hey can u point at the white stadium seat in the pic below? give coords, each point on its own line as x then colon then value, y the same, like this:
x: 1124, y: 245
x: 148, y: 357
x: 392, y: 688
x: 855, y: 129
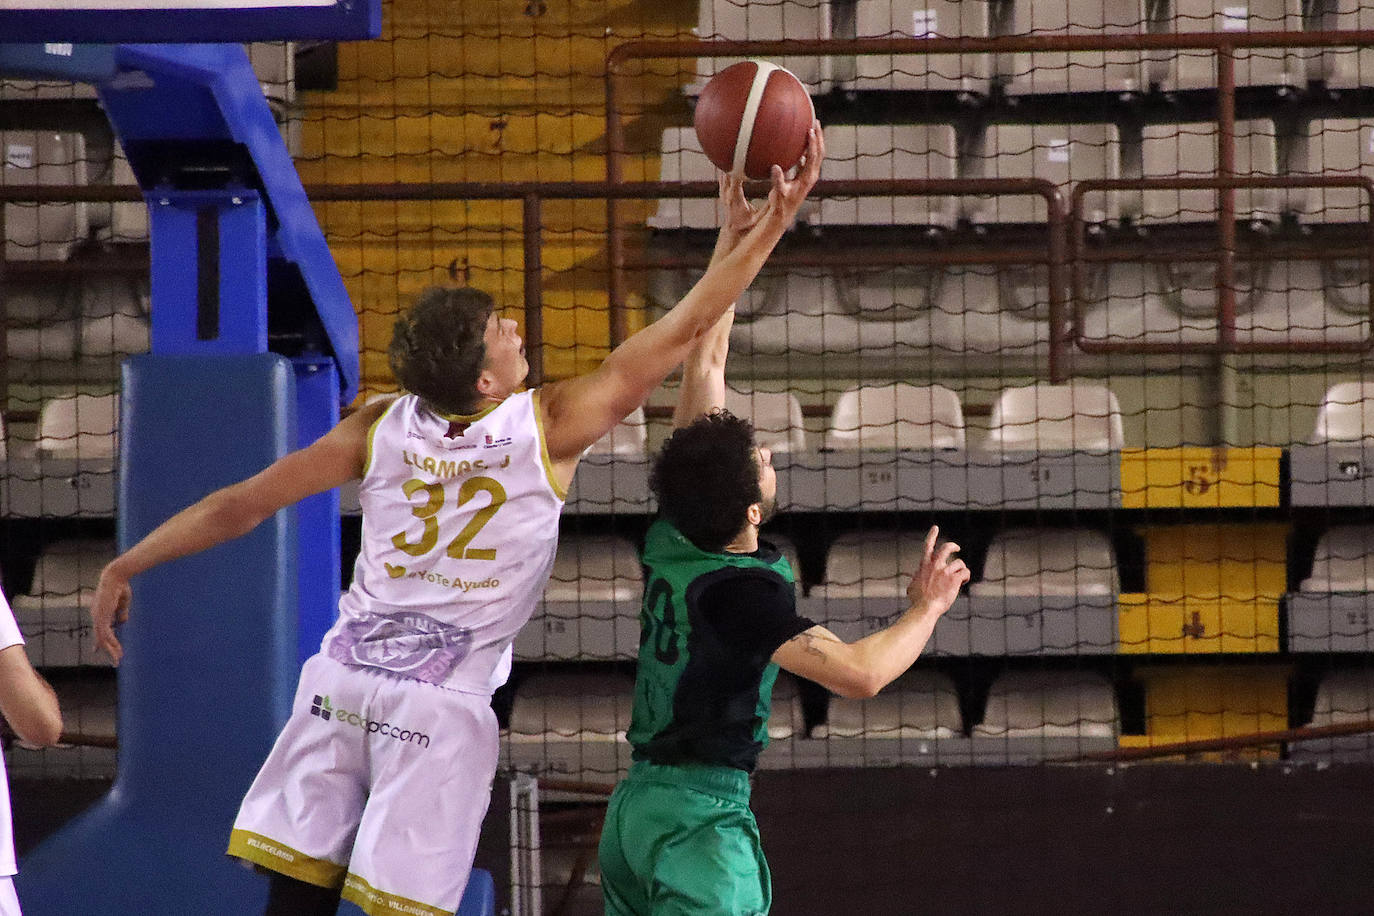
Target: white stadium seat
x: 1073, y: 71
x: 887, y: 151
x: 577, y: 706
x: 1049, y: 704
x: 1189, y: 150
x: 53, y: 614
x: 970, y: 73
x: 1078, y: 416
x: 896, y: 416
x: 681, y: 159
x: 1346, y: 414
x: 595, y: 568
x: 1344, y: 561
x: 774, y: 20
x: 871, y: 564
x: 31, y: 158
x: 81, y: 426
x: 776, y: 416
x: 1278, y: 67
x: 918, y: 705
x: 627, y: 439
x: 1048, y: 561
x: 1060, y: 153
x: 1344, y: 696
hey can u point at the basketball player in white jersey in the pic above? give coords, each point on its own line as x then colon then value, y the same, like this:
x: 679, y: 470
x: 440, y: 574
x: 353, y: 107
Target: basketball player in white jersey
x: 30, y: 707
x: 377, y: 786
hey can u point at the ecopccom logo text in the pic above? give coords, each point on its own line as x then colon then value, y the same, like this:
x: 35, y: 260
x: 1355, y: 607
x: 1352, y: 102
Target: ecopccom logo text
x: 320, y: 706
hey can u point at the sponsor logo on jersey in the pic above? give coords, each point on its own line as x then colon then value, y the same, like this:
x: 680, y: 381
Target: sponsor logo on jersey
x: 496, y: 443
x: 321, y: 707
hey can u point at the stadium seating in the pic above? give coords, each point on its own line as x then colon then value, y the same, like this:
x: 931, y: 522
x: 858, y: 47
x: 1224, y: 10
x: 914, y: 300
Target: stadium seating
x: 681, y: 159
x: 595, y: 568
x: 571, y: 725
x: 967, y: 73
x: 896, y: 416
x: 114, y: 317
x: 776, y: 416
x: 730, y: 19
x: 920, y: 705
x: 1336, y: 146
x: 887, y: 151
x: 1277, y: 67
x: 1079, y: 416
x: 1048, y: 561
x: 1189, y: 150
x: 1346, y: 414
x: 1049, y: 704
x: 870, y: 564
x: 1061, y: 153
x: 53, y: 615
x: 39, y: 157
x: 628, y: 439
x: 128, y: 221
x: 1344, y: 561
x: 1344, y: 696
x: 1075, y: 71
x: 1341, y: 68
x: 81, y: 426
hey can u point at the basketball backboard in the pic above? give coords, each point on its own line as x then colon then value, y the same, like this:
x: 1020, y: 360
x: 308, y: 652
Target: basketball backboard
x: 118, y: 21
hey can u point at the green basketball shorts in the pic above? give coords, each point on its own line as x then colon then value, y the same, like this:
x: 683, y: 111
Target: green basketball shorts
x: 682, y: 840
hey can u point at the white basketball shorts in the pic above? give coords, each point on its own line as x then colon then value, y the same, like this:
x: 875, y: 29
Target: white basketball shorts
x: 377, y: 783
x: 9, y: 900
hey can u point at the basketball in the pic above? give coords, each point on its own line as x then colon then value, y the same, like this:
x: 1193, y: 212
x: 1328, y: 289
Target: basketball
x: 751, y: 116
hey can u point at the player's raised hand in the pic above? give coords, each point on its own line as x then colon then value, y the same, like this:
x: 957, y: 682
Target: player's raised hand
x: 738, y: 216
x: 788, y: 194
x: 941, y: 575
x: 110, y: 606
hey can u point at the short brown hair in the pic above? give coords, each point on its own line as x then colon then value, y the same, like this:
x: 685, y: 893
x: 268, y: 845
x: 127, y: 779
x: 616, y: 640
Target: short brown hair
x: 437, y: 347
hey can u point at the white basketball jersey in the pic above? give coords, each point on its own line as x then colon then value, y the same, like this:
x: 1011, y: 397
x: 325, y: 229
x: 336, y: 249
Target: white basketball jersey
x: 460, y: 525
x: 9, y: 636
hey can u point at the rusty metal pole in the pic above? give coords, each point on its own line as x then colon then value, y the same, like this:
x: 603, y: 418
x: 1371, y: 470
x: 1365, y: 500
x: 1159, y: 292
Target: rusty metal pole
x: 615, y: 238
x: 534, y: 288
x: 1225, y: 409
x: 1058, y: 244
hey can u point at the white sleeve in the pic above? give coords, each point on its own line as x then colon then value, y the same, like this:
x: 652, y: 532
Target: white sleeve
x: 9, y: 629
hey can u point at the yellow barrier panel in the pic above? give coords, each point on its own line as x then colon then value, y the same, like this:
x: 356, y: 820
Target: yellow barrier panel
x: 1189, y: 625
x: 1184, y: 478
x: 1195, y: 703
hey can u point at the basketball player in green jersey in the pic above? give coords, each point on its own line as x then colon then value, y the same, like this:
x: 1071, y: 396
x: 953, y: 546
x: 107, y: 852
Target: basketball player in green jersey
x: 719, y: 619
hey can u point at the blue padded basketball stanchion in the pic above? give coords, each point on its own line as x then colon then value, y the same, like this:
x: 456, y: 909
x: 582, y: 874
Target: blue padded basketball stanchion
x: 210, y: 662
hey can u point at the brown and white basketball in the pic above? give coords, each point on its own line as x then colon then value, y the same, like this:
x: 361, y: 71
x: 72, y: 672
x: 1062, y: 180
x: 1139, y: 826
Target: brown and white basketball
x: 751, y: 116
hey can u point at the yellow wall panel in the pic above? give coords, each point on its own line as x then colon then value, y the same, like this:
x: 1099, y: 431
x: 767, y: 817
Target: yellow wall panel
x: 1195, y: 703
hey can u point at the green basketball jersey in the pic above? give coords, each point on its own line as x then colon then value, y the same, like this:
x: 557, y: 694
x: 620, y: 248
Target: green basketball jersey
x: 709, y: 626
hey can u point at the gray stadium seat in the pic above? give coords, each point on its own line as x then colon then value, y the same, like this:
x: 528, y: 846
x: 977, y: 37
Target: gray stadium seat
x: 1342, y: 68
x: 970, y: 73
x: 1075, y: 71
x: 1334, y: 147
x: 627, y: 439
x: 918, y: 705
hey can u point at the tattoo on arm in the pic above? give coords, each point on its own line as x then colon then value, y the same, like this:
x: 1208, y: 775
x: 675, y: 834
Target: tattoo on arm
x: 807, y: 642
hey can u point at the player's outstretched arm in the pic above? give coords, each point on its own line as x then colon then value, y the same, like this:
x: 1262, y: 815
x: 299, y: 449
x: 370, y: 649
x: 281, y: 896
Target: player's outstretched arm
x: 703, y: 371
x: 579, y: 411
x: 27, y: 701
x: 866, y: 666
x: 332, y: 460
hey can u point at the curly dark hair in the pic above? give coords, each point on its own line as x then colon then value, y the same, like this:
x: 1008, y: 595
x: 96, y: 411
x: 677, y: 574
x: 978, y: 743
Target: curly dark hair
x: 706, y: 478
x: 437, y: 348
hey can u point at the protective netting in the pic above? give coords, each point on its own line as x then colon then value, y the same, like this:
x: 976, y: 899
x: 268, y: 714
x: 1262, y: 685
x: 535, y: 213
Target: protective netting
x: 1167, y: 544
